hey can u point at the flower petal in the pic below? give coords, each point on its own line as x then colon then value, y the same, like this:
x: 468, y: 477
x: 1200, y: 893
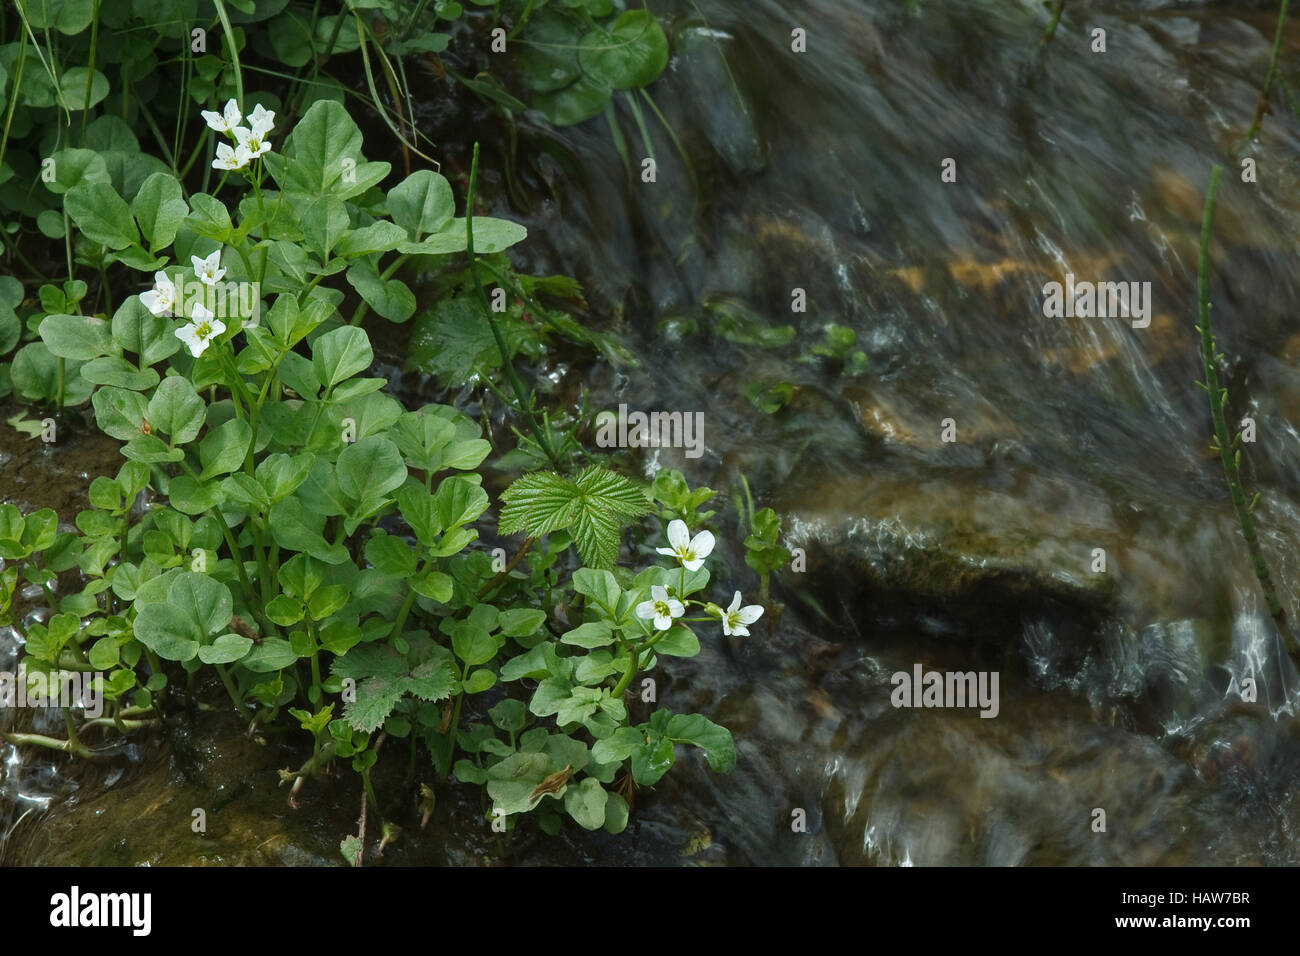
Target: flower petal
x: 663, y: 622
x: 702, y: 544
x: 749, y: 614
x: 645, y: 610
x: 693, y: 565
x: 678, y: 535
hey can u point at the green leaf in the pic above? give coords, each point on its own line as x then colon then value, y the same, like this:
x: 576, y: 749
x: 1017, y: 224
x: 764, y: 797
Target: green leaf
x: 586, y: 803
x: 716, y: 742
x: 391, y: 555
x: 575, y: 103
x: 295, y: 527
x: 509, y: 714
x: 226, y: 649
x: 273, y: 654
x: 459, y: 501
x: 284, y: 610
x: 323, y: 224
x: 120, y: 413
x: 140, y: 332
x: 209, y: 218
x: 422, y: 203
x: 421, y: 437
x: 594, y: 507
x: 76, y: 336
x: 224, y: 449
x: 382, y: 236
x: 370, y: 468
x: 168, y: 631
x: 391, y: 298
x: 549, y: 60
x: 340, y: 354
x: 118, y: 372
x: 521, y: 622
x: 322, y: 156
x: 479, y: 681
x: 176, y: 409
x: 680, y: 641
x: 280, y: 475
x: 73, y: 84
x: 160, y: 208
x: 76, y: 167
x: 102, y: 215
x: 474, y: 645
x: 592, y: 634
x: 192, y: 497
x: 633, y: 53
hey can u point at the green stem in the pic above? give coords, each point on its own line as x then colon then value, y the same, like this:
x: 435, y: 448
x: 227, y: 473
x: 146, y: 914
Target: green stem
x: 232, y: 691
x: 1229, y: 458
x: 1272, y: 72
x: 507, y: 365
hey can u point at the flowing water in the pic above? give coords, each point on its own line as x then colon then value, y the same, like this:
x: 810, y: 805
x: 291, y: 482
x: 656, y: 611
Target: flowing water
x: 1120, y: 690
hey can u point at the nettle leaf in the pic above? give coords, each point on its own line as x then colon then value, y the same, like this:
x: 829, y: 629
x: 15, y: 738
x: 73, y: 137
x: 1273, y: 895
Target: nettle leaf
x: 102, y: 215
x: 383, y: 678
x: 322, y: 156
x: 422, y: 203
x: 594, y: 508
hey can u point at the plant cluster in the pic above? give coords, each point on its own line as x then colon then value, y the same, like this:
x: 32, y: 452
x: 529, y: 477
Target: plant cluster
x: 282, y: 523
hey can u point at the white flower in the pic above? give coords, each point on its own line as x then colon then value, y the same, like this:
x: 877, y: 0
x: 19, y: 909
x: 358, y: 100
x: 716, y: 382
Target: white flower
x: 660, y: 607
x: 203, y: 328
x: 226, y: 121
x: 251, y: 141
x: 228, y: 158
x: 208, y: 270
x: 691, y: 552
x: 261, y: 120
x: 160, y: 299
x: 736, y: 617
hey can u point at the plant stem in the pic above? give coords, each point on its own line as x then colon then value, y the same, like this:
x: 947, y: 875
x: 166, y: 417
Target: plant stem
x: 1272, y: 72
x: 1223, y: 442
x: 507, y: 365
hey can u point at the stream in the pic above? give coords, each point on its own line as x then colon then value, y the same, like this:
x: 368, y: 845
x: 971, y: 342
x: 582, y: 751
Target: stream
x: 1120, y: 689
